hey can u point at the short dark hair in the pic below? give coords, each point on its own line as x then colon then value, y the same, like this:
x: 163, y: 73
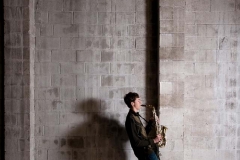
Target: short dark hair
x: 130, y: 97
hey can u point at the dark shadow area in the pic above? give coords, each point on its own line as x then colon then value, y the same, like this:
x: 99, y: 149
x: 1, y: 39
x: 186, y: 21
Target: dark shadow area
x: 2, y: 82
x: 101, y: 136
x: 152, y: 53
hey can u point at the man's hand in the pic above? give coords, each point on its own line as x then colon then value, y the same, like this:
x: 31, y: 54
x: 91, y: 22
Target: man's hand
x: 157, y: 139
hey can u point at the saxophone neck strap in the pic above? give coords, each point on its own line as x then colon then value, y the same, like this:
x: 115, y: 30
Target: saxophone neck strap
x: 142, y: 117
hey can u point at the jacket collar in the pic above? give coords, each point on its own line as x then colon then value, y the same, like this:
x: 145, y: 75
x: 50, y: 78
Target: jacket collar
x: 134, y: 113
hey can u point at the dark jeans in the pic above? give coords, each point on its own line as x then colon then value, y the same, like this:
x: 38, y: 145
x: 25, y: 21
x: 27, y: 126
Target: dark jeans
x: 152, y: 156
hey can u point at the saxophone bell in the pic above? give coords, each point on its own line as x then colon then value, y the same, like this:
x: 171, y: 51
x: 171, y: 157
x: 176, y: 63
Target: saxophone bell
x: 159, y: 129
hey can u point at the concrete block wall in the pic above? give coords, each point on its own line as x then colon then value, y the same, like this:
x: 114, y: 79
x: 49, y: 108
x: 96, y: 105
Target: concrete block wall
x: 199, y: 78
x: 17, y: 79
x: 1, y: 85
x: 89, y: 54
x: 68, y: 63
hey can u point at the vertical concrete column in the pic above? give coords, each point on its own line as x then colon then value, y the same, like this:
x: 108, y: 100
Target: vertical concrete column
x: 32, y: 44
x: 17, y: 44
x: 1, y: 84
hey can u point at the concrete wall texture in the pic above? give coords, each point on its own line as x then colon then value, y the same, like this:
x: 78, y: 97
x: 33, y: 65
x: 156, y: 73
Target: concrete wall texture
x: 68, y: 64
x: 199, y: 78
x: 1, y: 85
x: 17, y: 84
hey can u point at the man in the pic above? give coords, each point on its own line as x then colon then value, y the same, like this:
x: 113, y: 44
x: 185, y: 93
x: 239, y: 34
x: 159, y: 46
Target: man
x: 142, y: 145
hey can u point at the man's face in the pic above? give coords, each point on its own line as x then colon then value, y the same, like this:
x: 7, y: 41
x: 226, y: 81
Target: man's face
x: 137, y: 104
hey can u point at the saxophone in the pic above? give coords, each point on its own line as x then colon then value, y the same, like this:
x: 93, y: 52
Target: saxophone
x: 159, y: 129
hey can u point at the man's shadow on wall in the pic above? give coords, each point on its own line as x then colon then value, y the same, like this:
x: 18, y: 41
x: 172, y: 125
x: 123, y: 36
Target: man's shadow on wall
x: 100, y: 137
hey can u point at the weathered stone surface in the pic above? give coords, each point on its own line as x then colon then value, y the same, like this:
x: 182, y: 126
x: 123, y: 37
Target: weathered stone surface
x: 47, y: 43
x: 203, y: 74
x: 82, y: 56
x: 66, y: 30
x: 60, y: 17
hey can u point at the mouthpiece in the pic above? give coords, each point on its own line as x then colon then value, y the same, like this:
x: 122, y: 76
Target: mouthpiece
x: 147, y: 106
